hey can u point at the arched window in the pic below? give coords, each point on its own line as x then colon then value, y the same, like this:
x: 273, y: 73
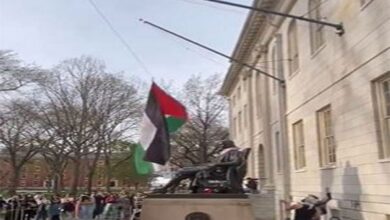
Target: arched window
x: 316, y: 30
x: 293, y: 53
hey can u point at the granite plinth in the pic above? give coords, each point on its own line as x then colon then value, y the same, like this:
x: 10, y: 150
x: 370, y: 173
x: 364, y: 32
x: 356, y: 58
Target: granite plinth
x: 181, y: 206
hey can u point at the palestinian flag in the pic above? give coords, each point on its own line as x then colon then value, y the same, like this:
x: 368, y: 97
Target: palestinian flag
x: 163, y: 115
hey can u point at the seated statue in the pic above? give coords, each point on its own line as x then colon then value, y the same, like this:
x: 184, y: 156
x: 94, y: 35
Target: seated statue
x: 230, y: 164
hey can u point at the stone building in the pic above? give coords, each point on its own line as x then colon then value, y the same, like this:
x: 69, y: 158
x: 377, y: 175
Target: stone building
x: 328, y: 124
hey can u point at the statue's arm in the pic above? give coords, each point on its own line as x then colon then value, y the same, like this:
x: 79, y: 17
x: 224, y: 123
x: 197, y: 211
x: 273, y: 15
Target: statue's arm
x: 238, y: 160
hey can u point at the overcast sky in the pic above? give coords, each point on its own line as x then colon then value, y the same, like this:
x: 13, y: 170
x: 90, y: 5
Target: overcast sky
x: 45, y: 32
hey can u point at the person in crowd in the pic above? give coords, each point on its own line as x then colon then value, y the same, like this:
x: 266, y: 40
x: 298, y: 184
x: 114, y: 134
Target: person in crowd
x: 126, y: 205
x: 84, y: 208
x: 310, y: 208
x: 41, y: 207
x: 251, y: 184
x: 68, y: 207
x: 99, y: 204
x: 12, y: 207
x: 54, y: 209
x: 2, y: 203
x: 30, y: 207
x: 112, y: 210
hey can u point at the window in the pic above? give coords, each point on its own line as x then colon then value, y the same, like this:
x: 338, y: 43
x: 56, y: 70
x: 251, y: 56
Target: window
x: 22, y: 183
x: 274, y: 69
x: 234, y: 100
x: 244, y: 84
x: 261, y: 162
x: 258, y: 95
x: 234, y: 126
x: 299, y: 145
x: 325, y: 137
x: 293, y: 53
x: 113, y: 183
x: 239, y: 93
x: 246, y: 115
x: 278, y: 152
x: 37, y: 168
x: 383, y: 102
x: 239, y: 121
x: 316, y: 30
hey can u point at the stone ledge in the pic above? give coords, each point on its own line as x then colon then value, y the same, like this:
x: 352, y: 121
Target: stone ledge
x: 198, y: 196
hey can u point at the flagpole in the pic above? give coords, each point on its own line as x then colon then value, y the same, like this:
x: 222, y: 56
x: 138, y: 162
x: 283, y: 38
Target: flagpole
x: 339, y: 27
x: 213, y: 50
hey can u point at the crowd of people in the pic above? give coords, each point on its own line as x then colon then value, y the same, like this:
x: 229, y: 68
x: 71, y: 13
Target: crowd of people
x: 101, y: 206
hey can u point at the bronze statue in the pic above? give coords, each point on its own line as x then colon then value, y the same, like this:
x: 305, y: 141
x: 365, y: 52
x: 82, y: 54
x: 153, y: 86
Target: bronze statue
x: 224, y: 176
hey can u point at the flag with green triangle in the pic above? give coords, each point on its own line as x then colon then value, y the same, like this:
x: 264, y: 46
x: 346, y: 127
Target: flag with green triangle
x: 163, y: 115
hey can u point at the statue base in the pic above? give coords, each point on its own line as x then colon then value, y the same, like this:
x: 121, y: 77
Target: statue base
x: 197, y: 207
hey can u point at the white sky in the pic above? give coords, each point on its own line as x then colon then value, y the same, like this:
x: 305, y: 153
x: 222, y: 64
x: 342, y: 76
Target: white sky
x: 45, y: 32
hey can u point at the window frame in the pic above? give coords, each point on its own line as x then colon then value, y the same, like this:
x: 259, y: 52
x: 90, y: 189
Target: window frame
x: 279, y: 164
x: 317, y: 34
x: 384, y: 141
x: 246, y: 115
x: 293, y: 47
x: 274, y: 67
x: 325, y: 133
x: 299, y: 148
x: 239, y: 122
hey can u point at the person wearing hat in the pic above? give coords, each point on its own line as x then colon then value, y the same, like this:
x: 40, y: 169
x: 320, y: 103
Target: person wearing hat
x: 229, y: 156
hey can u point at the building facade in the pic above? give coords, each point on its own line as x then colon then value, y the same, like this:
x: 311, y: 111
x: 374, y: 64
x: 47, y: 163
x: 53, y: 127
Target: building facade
x: 327, y: 125
x: 35, y: 175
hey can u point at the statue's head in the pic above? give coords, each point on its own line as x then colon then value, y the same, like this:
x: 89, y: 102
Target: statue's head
x: 227, y: 144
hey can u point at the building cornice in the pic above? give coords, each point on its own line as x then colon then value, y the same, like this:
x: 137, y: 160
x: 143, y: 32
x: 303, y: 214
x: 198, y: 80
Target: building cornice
x: 255, y: 27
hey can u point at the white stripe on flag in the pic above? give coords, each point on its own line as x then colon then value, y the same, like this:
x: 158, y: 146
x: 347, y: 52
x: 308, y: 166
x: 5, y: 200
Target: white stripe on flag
x: 148, y: 132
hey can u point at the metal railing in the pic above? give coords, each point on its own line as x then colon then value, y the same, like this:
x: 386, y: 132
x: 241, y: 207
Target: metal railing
x: 111, y: 212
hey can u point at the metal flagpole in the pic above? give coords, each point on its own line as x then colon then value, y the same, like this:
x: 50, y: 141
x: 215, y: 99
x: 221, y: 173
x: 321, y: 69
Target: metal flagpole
x: 213, y: 50
x: 339, y: 27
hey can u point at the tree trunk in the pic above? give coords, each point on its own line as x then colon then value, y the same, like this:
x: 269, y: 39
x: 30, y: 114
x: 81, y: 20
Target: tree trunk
x: 108, y: 175
x: 203, y: 153
x: 57, y: 183
x: 90, y: 181
x: 14, y: 181
x: 76, y: 176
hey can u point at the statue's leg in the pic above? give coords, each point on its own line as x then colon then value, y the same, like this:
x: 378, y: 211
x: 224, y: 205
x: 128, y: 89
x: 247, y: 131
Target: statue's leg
x: 234, y: 181
x: 171, y: 185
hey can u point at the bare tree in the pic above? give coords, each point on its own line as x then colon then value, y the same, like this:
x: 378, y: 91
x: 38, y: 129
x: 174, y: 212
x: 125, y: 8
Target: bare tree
x: 197, y: 142
x: 116, y: 111
x: 13, y: 74
x: 18, y: 138
x: 86, y: 110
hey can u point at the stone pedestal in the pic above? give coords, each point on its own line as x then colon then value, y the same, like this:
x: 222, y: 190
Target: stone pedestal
x: 199, y: 206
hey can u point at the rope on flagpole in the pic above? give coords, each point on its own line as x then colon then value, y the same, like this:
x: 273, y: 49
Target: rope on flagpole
x: 120, y: 37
